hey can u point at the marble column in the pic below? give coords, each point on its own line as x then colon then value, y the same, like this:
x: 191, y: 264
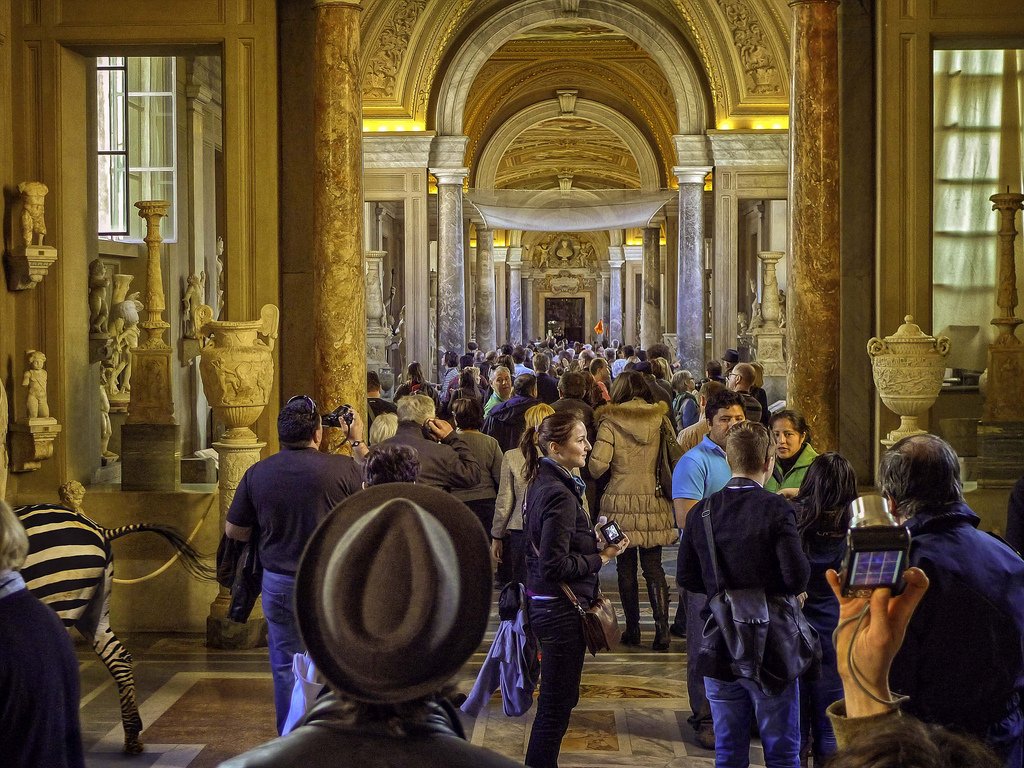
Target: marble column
x: 515, y: 295
x: 530, y: 310
x: 451, y: 274
x: 339, y: 291
x: 615, y: 300
x: 650, y: 310
x: 813, y: 314
x: 485, y: 332
x: 691, y: 313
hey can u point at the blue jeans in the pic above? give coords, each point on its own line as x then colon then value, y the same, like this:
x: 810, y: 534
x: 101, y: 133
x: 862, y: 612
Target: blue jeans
x: 556, y: 624
x: 737, y: 706
x: 283, y: 638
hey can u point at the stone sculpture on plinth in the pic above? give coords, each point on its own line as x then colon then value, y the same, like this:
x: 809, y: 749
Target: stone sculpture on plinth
x: 32, y: 436
x: 769, y: 336
x: 237, y: 368
x: 28, y: 264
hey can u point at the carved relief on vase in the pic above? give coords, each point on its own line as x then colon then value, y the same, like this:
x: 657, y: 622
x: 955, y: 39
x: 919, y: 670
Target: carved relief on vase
x: 237, y: 369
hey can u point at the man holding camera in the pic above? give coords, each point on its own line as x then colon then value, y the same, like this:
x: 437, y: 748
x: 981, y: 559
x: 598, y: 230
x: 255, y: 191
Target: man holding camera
x: 962, y: 663
x: 284, y: 497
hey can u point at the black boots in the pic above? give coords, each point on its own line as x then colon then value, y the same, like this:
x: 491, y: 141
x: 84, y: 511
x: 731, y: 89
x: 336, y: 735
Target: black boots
x: 629, y: 593
x: 658, y: 592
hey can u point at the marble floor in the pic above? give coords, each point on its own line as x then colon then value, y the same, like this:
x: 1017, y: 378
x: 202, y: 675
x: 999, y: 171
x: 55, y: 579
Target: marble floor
x: 201, y: 706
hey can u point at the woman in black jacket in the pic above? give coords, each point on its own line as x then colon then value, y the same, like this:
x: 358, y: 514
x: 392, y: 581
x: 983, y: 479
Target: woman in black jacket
x: 562, y: 548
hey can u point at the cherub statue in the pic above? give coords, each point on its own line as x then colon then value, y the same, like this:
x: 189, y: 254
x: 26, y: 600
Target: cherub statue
x: 33, y: 194
x: 99, y: 306
x: 125, y: 336
x: 72, y: 495
x: 105, y: 428
x: 542, y: 257
x: 587, y: 255
x: 782, y: 309
x: 34, y: 380
x: 220, y: 275
x: 191, y: 300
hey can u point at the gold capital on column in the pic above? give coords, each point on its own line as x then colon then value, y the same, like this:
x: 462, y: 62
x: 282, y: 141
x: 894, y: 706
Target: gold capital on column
x: 339, y: 294
x: 814, y: 313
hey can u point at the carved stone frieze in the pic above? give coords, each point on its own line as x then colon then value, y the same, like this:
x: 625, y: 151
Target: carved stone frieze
x: 755, y: 56
x: 380, y: 75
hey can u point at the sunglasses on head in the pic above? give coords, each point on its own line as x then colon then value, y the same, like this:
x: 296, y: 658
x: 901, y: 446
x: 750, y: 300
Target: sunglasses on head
x: 305, y: 399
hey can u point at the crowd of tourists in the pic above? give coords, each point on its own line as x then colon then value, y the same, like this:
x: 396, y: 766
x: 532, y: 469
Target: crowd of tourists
x: 508, y: 468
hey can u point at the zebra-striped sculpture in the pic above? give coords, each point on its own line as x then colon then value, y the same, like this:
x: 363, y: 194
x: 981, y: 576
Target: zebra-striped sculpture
x: 70, y: 567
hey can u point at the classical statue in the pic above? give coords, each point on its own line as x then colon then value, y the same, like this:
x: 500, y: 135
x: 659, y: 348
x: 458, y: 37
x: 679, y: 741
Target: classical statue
x: 33, y: 194
x: 220, y: 276
x: 782, y: 308
x: 191, y: 301
x: 34, y: 381
x: 124, y: 333
x: 587, y: 255
x: 72, y: 495
x: 105, y: 428
x: 542, y: 257
x: 99, y: 305
x: 564, y: 252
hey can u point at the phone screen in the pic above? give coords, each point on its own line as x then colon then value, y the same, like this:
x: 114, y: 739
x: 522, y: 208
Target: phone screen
x: 612, y: 533
x: 876, y: 568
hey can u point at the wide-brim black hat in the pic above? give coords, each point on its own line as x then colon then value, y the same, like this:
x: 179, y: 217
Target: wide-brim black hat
x: 393, y: 592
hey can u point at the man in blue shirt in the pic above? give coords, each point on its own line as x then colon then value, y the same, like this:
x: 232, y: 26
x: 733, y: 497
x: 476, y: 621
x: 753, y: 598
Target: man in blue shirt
x: 702, y: 471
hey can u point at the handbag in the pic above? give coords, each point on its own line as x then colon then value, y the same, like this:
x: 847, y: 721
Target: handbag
x: 766, y: 638
x: 669, y: 453
x: 600, y: 623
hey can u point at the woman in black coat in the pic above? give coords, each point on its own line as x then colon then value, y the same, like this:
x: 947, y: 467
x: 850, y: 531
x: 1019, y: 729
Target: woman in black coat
x: 562, y: 548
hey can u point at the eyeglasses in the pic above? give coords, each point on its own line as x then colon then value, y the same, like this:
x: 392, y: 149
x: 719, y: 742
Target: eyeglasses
x: 305, y: 399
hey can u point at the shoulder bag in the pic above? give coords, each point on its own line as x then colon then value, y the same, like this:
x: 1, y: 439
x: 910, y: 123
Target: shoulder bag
x: 766, y: 638
x: 599, y: 621
x: 669, y: 453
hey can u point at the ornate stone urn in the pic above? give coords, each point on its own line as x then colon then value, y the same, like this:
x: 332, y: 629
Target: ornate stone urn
x: 908, y: 368
x: 238, y: 369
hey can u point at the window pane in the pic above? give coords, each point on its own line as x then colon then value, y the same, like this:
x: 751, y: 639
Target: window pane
x: 152, y: 185
x: 110, y: 109
x: 110, y: 61
x: 112, y: 205
x: 151, y: 75
x: 152, y: 130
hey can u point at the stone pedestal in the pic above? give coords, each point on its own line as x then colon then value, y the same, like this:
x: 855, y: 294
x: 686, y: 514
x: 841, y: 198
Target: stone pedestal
x: 32, y: 443
x: 690, y: 309
x: 150, y: 457
x: 814, y: 312
x: 770, y: 337
x: 485, y: 322
x: 339, y: 315
x: 378, y: 331
x: 27, y: 265
x: 650, y: 311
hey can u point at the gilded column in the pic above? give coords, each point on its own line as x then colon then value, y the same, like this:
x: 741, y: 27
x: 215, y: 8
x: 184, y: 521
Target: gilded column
x: 339, y: 293
x: 451, y: 267
x: 813, y: 314
x: 615, y: 299
x: 485, y: 334
x: 515, y: 295
x: 691, y: 313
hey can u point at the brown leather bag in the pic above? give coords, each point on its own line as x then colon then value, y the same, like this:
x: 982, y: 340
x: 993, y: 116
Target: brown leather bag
x: 600, y: 623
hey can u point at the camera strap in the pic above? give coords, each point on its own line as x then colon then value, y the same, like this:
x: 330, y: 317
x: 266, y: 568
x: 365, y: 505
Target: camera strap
x: 709, y: 530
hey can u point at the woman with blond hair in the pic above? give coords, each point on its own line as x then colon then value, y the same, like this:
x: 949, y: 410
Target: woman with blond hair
x: 507, y: 527
x: 628, y: 447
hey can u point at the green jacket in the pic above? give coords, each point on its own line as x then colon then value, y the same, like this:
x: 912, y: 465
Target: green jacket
x: 795, y: 476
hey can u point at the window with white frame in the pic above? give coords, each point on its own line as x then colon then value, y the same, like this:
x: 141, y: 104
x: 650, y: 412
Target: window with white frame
x: 136, y: 143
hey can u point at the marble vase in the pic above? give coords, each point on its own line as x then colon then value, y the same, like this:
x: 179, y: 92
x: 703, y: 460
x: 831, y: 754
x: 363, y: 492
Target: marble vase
x: 908, y: 368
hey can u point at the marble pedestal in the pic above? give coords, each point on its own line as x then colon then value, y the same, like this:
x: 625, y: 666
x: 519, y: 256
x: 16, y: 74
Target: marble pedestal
x: 27, y: 266
x: 150, y: 457
x: 32, y: 443
x: 1000, y: 447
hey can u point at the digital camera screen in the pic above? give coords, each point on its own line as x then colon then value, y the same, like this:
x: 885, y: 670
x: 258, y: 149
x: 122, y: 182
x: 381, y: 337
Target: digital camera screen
x: 611, y: 533
x: 871, y: 568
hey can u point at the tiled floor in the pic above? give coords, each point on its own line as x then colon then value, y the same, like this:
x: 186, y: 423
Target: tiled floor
x: 201, y: 706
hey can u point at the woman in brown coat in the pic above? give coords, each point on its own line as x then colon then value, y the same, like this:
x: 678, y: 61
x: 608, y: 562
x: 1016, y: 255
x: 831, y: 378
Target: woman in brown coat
x: 628, y: 445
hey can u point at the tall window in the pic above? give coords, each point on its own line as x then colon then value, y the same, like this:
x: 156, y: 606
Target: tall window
x: 136, y: 143
x: 977, y: 139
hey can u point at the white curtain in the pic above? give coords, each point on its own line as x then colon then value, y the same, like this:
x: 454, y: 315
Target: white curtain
x: 978, y: 137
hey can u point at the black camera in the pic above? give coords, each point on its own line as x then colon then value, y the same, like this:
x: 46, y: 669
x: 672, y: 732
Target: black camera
x: 611, y: 532
x: 877, y: 549
x: 343, y: 413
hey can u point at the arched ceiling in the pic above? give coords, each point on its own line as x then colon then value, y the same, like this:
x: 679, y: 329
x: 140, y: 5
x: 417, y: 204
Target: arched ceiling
x: 592, y: 154
x: 741, y: 46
